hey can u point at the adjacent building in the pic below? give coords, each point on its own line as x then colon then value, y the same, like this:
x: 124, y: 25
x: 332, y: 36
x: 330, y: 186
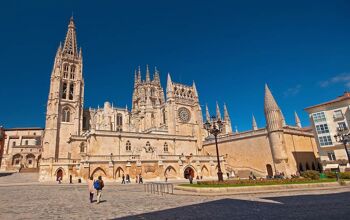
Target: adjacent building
x: 22, y: 148
x: 328, y: 119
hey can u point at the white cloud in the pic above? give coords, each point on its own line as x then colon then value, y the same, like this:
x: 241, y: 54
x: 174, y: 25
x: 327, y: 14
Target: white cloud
x: 343, y: 78
x: 292, y: 91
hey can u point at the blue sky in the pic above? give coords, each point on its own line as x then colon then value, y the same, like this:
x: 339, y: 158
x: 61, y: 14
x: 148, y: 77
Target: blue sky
x: 230, y: 49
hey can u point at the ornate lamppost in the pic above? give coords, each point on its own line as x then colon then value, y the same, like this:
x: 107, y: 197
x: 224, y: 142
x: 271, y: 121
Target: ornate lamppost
x: 343, y: 136
x: 214, y: 127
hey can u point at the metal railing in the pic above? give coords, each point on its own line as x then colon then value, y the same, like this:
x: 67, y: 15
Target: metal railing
x: 159, y: 188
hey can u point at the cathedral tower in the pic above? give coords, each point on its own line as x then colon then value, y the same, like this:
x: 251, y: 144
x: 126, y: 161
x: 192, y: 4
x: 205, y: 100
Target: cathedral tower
x: 66, y: 97
x: 274, y: 123
x: 148, y: 102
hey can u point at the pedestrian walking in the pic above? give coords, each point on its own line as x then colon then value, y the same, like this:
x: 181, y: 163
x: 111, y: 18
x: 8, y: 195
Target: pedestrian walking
x: 59, y: 179
x: 98, y: 185
x: 123, y: 179
x: 140, y: 179
x: 190, y: 178
x: 90, y: 183
x: 127, y: 178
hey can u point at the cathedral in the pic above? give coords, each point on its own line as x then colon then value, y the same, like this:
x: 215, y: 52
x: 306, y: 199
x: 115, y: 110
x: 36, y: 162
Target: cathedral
x: 162, y: 135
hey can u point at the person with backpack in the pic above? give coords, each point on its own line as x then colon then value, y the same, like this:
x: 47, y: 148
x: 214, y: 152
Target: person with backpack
x: 98, y: 185
x: 90, y: 182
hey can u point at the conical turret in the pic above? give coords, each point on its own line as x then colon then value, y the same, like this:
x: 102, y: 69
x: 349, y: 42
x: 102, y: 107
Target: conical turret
x: 254, y: 124
x: 284, y: 123
x: 272, y: 111
x: 70, y: 44
x: 169, y: 85
x: 135, y: 79
x: 297, y: 120
x: 218, y: 113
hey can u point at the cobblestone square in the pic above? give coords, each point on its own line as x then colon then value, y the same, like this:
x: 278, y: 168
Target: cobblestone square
x: 131, y: 202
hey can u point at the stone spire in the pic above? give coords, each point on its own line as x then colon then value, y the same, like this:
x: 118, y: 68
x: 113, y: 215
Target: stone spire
x: 135, y: 79
x: 70, y: 46
x: 297, y: 120
x: 218, y: 113
x: 169, y: 85
x: 148, y: 78
x: 254, y: 124
x: 207, y: 114
x: 284, y: 123
x: 273, y: 113
x: 226, y: 115
x: 156, y: 75
x: 139, y: 74
x: 194, y: 89
x: 236, y: 129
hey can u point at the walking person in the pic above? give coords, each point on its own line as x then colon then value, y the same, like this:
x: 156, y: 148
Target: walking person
x: 90, y: 183
x: 98, y: 185
x: 140, y: 179
x: 123, y: 179
x: 127, y: 178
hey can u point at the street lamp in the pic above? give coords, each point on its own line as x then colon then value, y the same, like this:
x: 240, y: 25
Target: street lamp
x: 343, y: 136
x: 214, y: 127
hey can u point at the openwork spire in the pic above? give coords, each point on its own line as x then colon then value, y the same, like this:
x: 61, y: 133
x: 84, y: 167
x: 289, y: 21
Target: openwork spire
x: 156, y: 75
x: 70, y: 47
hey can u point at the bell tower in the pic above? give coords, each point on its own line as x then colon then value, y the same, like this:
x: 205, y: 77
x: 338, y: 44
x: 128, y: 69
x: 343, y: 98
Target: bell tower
x: 66, y: 97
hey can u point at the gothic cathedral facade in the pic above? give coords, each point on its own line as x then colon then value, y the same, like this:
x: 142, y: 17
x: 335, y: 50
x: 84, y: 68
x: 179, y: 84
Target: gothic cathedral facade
x: 162, y: 134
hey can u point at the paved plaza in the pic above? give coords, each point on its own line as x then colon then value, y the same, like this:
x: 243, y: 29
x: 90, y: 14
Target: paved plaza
x: 131, y: 202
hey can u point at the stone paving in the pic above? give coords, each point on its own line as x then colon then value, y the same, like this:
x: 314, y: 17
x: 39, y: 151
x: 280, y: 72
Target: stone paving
x: 131, y: 202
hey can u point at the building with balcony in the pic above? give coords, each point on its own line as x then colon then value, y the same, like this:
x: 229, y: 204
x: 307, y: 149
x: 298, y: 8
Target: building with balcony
x: 327, y: 120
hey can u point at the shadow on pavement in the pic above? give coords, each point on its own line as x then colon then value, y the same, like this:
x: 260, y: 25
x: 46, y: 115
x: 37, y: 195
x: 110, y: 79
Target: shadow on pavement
x: 328, y: 206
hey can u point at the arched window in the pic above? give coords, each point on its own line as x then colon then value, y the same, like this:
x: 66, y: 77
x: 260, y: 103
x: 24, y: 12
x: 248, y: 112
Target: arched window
x: 64, y: 90
x: 148, y: 144
x: 119, y: 122
x: 65, y: 115
x: 128, y: 146
x: 65, y: 71
x: 166, y: 148
x: 71, y: 91
x: 72, y: 72
x: 13, y: 143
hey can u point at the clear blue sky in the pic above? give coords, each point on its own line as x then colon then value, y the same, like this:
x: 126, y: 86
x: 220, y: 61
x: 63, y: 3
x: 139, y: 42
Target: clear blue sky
x: 230, y: 49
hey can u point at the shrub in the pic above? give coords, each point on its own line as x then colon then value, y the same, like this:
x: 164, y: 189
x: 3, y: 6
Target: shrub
x: 345, y: 175
x: 311, y: 174
x: 330, y: 174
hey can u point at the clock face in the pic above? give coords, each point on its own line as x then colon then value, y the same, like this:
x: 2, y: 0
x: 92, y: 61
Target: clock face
x: 184, y: 114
